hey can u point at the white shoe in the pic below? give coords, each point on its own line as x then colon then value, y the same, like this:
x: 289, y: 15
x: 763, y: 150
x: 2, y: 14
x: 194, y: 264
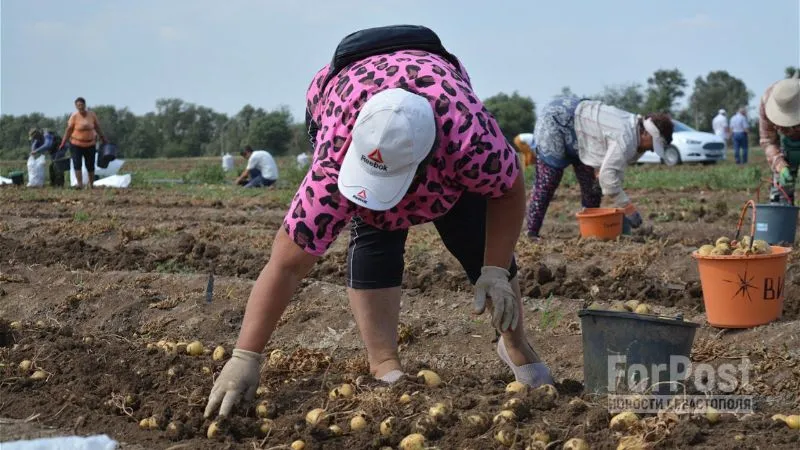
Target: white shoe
x: 533, y: 374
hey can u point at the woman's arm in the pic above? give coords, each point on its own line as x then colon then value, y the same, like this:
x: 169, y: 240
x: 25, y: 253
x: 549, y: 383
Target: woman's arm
x: 288, y: 265
x: 67, y: 134
x: 504, y: 218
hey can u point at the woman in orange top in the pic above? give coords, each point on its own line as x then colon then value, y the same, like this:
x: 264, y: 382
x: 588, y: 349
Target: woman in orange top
x: 83, y: 128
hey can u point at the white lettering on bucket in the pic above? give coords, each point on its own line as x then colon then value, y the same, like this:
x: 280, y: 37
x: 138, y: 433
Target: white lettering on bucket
x: 761, y: 226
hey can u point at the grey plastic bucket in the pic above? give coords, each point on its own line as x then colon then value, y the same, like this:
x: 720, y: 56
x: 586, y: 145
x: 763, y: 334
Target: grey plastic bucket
x: 776, y: 223
x: 614, y: 342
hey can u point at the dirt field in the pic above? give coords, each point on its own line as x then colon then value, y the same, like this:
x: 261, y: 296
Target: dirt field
x: 96, y: 279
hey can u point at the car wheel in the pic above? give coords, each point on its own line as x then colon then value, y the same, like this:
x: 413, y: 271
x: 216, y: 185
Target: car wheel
x: 672, y: 156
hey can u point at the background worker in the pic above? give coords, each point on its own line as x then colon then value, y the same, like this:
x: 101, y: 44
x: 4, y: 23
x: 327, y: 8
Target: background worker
x: 47, y: 142
x: 524, y: 144
x: 82, y: 132
x: 739, y: 130
x: 779, y: 130
x: 261, y: 170
x: 599, y: 141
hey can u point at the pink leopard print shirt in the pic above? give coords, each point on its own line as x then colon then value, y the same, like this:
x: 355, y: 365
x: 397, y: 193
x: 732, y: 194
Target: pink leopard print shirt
x: 470, y: 153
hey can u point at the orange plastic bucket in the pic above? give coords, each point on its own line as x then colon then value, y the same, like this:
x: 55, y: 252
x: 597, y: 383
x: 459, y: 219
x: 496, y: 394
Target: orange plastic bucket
x: 600, y: 223
x: 743, y: 291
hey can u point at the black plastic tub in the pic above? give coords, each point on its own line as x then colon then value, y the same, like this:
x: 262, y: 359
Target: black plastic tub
x: 614, y: 341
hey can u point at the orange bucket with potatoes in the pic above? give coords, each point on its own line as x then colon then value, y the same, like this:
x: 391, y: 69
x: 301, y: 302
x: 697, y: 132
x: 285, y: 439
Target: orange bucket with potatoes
x: 743, y: 291
x: 600, y: 223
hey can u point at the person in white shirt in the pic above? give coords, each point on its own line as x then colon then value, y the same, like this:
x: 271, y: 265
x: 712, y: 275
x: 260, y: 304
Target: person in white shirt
x: 598, y: 141
x: 261, y: 170
x: 739, y: 127
x: 302, y: 160
x: 720, y: 125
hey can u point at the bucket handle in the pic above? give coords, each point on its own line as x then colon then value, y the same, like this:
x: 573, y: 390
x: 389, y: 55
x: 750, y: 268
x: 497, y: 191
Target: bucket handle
x: 752, y: 205
x: 771, y: 181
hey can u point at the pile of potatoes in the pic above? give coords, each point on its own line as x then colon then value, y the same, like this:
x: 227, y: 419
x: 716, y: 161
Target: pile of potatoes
x: 725, y: 246
x: 634, y: 306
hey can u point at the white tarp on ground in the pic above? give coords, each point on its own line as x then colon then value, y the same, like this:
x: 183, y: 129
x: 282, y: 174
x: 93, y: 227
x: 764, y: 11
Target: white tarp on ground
x: 5, y: 181
x: 112, y: 169
x: 116, y: 181
x: 98, y: 442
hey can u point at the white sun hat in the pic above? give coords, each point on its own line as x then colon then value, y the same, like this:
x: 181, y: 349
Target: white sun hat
x: 393, y: 134
x: 783, y: 104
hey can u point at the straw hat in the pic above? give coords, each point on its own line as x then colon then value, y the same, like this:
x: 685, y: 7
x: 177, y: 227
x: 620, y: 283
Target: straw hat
x: 783, y: 104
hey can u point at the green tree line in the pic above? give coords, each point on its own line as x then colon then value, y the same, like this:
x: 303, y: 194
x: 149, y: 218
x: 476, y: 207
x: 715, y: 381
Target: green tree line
x: 180, y: 129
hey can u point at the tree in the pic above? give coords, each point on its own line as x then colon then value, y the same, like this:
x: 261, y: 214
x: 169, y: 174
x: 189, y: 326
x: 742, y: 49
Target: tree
x: 272, y: 131
x: 628, y: 97
x: 790, y: 71
x: 514, y: 114
x: 664, y: 88
x: 718, y: 90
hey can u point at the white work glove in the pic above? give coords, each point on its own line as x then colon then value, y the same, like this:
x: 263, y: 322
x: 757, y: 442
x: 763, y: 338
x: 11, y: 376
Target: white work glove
x: 239, y: 377
x: 494, y: 283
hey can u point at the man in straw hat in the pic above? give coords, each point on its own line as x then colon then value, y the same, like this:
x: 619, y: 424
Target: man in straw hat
x: 779, y: 128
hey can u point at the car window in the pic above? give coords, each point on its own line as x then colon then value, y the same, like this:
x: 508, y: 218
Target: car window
x: 680, y: 126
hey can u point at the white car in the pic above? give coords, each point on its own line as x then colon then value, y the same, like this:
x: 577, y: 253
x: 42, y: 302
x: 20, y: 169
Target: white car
x: 689, y: 146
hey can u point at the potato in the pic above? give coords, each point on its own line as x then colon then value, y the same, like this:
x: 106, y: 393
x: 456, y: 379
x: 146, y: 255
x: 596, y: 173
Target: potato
x: 705, y: 250
x: 25, y: 365
x: 631, y: 305
x: 430, y: 378
x: 266, y: 426
x: 631, y: 443
x: 180, y: 347
x: 513, y: 404
x: 505, y: 437
x: 515, y: 387
x: 388, y: 425
x: 725, y: 248
x: 576, y: 444
x: 438, y: 411
x: 262, y: 410
x: 744, y: 241
x: 206, y: 370
x: 195, y: 348
x: 618, y: 306
x: 405, y: 398
x: 298, y: 445
x: 414, y: 441
x: 594, y: 306
x: 479, y: 421
x: 504, y: 416
x: 149, y: 423
x: 712, y: 415
x: 213, y: 430
x: 336, y: 430
x: 623, y: 421
x: 15, y: 325
x: 739, y: 252
x: 793, y: 421
x: 540, y: 436
x: 761, y: 247
x: 717, y: 252
x: 315, y: 416
x: 722, y: 240
x: 343, y: 391
x: 261, y: 391
x: 548, y: 392
x: 643, y: 309
x: 39, y: 375
x: 219, y: 353
x: 358, y: 423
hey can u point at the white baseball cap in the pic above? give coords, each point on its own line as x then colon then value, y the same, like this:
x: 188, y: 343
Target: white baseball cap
x: 393, y: 134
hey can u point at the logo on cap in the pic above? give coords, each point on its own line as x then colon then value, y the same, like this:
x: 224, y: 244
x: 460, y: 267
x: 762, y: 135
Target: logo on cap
x: 361, y: 195
x: 375, y: 160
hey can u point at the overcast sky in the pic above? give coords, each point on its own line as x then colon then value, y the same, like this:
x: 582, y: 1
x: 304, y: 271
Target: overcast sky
x: 228, y: 53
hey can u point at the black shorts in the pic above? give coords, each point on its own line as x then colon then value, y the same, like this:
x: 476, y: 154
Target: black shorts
x: 80, y: 154
x: 375, y: 256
